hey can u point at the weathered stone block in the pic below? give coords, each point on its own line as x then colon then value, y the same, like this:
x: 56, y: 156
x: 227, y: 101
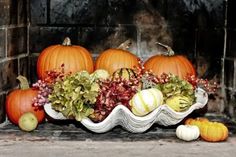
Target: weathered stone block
x: 17, y: 41
x: 231, y: 44
x: 231, y: 14
x: 99, y: 39
x: 210, y: 43
x: 38, y: 10
x: 24, y: 67
x: 8, y: 74
x: 2, y: 43
x: 195, y: 13
x: 22, y: 11
x: 42, y: 37
x: 2, y: 107
x: 73, y: 11
x: 33, y: 68
x: 4, y: 16
x: 230, y: 73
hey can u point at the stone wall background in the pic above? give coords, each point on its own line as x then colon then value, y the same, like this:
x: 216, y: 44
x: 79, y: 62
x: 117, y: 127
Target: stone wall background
x: 204, y: 31
x: 13, y: 46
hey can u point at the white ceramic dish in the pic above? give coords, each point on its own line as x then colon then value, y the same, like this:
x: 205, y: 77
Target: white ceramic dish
x: 121, y: 115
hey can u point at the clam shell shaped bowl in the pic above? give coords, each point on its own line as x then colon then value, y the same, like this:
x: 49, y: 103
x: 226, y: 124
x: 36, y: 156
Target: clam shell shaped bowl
x: 122, y: 116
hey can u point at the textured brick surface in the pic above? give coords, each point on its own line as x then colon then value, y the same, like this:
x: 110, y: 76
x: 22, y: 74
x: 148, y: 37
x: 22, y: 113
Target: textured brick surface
x: 73, y: 11
x: 24, y: 67
x: 2, y: 107
x: 195, y: 13
x: 4, y: 16
x: 33, y: 68
x: 229, y: 73
x: 8, y: 74
x: 17, y: 41
x: 22, y: 11
x: 231, y: 44
x: 2, y: 43
x: 99, y: 39
x: 8, y: 12
x: 38, y: 10
x: 42, y: 37
x: 231, y: 13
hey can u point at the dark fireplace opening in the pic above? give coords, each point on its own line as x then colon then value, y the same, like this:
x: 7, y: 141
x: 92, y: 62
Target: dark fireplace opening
x: 203, y: 31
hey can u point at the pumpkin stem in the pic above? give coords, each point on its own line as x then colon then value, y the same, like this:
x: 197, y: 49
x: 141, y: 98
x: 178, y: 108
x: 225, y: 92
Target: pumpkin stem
x: 170, y: 52
x: 24, y: 84
x: 125, y: 45
x: 66, y: 42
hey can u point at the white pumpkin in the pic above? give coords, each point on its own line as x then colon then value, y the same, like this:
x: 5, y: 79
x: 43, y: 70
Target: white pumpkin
x: 100, y: 74
x: 145, y: 101
x: 187, y: 132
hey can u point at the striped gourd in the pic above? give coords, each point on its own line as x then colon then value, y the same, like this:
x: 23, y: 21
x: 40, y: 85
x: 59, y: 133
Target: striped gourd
x: 145, y: 101
x: 125, y: 73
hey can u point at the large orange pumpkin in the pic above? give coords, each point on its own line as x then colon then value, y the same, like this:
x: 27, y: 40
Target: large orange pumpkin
x: 170, y: 63
x: 20, y: 101
x: 74, y: 58
x: 116, y: 58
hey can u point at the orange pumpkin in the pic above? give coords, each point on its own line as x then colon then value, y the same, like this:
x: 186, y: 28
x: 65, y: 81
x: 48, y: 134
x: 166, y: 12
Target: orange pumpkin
x: 209, y: 131
x: 191, y: 121
x: 20, y: 101
x: 214, y: 132
x: 74, y: 58
x: 170, y: 63
x: 114, y: 59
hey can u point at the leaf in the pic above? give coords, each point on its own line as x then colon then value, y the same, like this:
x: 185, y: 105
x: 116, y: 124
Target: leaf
x: 74, y: 95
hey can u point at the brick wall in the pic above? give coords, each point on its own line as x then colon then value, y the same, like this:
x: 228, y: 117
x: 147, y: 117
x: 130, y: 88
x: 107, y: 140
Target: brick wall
x: 198, y: 29
x: 13, y: 46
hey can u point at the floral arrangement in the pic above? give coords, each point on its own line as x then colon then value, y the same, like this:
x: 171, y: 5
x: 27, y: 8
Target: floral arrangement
x: 95, y: 95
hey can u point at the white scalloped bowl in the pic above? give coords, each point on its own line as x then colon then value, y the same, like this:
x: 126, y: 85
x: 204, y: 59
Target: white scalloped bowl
x: 122, y: 116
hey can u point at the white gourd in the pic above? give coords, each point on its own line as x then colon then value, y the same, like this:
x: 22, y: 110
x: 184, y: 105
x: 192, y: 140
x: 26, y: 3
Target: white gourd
x: 187, y: 132
x: 145, y: 101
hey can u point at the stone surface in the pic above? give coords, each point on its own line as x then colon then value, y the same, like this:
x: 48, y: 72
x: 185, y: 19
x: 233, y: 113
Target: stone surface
x: 17, y: 41
x: 42, y: 37
x: 231, y: 100
x: 231, y: 14
x: 162, y: 148
x: 22, y: 11
x: 73, y: 12
x: 231, y: 44
x: 24, y: 67
x: 74, y: 131
x: 195, y: 13
x: 96, y: 40
x: 13, y: 12
x: 2, y: 43
x: 2, y: 108
x: 38, y: 10
x: 33, y: 68
x: 8, y: 74
x: 4, y: 16
x: 184, y: 41
x: 230, y: 71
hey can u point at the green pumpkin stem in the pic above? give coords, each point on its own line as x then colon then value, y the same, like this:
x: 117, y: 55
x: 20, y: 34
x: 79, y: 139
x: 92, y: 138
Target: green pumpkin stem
x: 170, y: 52
x: 125, y: 45
x: 66, y: 42
x: 24, y: 84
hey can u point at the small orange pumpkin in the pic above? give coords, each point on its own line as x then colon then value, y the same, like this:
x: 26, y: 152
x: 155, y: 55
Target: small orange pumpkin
x: 74, y: 58
x: 170, y: 63
x: 209, y: 131
x: 116, y: 58
x: 191, y: 121
x: 214, y: 132
x: 20, y: 101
